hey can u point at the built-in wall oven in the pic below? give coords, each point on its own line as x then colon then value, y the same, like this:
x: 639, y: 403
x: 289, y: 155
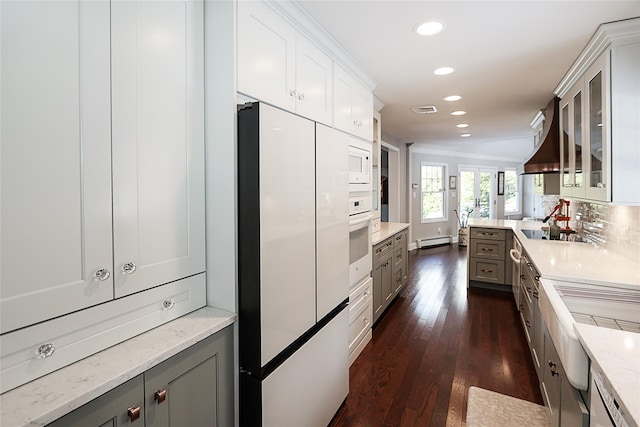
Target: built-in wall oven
x: 360, y: 263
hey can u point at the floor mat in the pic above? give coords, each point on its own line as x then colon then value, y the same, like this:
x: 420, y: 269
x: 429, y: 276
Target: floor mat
x: 490, y: 409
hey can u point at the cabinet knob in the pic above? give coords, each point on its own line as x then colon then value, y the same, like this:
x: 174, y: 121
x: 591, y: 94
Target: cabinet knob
x: 168, y: 304
x: 101, y: 275
x: 46, y: 350
x: 552, y: 365
x: 160, y: 395
x: 133, y: 413
x: 292, y: 92
x: 301, y: 97
x: 128, y: 268
x: 527, y: 323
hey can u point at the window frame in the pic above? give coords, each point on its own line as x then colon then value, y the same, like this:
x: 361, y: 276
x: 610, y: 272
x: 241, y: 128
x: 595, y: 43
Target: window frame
x: 518, y: 193
x: 444, y: 192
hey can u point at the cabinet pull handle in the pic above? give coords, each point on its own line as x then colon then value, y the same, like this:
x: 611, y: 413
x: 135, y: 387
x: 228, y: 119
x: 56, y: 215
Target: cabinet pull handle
x: 160, y: 395
x: 133, y: 413
x: 486, y: 271
x: 129, y: 268
x: 535, y: 294
x: 46, y: 350
x: 101, y: 275
x: 554, y: 373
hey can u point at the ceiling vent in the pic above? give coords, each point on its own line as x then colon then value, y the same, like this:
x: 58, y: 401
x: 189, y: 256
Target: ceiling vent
x: 425, y: 109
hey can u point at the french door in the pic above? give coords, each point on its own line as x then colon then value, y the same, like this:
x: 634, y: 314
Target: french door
x: 477, y: 191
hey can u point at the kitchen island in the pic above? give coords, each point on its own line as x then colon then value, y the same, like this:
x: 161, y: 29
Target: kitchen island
x: 589, y: 267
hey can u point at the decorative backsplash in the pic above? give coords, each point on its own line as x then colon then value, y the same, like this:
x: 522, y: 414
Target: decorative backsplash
x: 616, y: 228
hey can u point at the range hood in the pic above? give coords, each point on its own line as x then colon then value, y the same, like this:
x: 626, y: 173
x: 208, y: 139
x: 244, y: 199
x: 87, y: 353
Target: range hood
x: 546, y: 158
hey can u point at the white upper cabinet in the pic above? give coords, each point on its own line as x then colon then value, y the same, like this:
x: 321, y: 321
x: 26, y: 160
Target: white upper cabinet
x: 600, y: 130
x: 102, y: 152
x: 56, y: 252
x: 352, y: 105
x: 278, y: 66
x: 158, y: 142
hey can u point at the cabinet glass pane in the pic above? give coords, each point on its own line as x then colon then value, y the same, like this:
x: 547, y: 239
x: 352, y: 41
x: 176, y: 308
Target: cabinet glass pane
x: 595, y: 130
x: 565, y: 146
x: 577, y: 138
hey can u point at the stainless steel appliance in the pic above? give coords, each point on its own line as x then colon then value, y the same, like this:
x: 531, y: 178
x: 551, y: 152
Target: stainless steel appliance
x: 293, y: 269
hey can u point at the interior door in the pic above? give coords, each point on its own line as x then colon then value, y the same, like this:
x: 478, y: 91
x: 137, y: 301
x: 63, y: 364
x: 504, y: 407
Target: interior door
x: 477, y: 192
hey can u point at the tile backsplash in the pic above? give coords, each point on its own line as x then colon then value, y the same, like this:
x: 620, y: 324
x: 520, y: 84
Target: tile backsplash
x: 616, y: 228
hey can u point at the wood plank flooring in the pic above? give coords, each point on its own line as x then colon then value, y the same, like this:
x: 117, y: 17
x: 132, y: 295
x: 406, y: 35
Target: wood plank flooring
x: 437, y: 340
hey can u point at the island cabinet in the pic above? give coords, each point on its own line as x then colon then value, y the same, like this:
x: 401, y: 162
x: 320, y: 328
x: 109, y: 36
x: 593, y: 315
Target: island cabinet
x: 102, y: 172
x: 280, y: 66
x: 192, y: 388
x: 487, y: 258
x: 390, y: 265
x: 599, y: 127
x: 565, y: 403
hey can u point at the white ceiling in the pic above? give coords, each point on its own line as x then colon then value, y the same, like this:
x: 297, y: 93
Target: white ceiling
x: 509, y: 56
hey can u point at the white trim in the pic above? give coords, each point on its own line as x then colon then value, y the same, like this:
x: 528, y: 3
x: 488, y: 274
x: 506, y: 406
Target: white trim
x: 436, y: 152
x: 378, y: 105
x: 445, y: 193
x: 613, y: 33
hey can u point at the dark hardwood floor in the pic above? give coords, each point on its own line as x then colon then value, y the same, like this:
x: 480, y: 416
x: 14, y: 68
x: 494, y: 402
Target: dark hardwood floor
x: 437, y: 340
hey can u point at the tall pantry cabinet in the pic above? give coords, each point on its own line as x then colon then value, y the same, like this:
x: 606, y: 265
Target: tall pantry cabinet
x: 102, y: 176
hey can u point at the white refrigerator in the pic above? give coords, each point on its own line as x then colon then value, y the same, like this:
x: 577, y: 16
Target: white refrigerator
x: 293, y: 268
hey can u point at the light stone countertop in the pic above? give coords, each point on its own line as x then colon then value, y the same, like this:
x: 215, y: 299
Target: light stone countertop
x: 616, y: 355
x: 48, y: 398
x: 387, y: 229
x: 571, y: 261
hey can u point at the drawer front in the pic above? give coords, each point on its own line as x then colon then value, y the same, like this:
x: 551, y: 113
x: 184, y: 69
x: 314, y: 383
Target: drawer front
x: 382, y: 249
x: 397, y: 279
x: 359, y: 323
x: 397, y: 256
x: 359, y: 296
x: 486, y: 270
x: 89, y: 331
x: 488, y: 233
x: 493, y: 249
x: 400, y: 239
x: 527, y: 321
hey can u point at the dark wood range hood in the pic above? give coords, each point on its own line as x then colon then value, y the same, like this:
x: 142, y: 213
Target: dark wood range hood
x: 546, y: 159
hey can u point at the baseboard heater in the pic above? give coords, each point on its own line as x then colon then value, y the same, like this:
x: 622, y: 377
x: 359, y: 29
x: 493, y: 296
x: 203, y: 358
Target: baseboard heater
x: 427, y: 242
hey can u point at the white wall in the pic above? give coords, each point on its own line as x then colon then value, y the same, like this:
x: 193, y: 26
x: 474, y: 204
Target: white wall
x: 453, y: 161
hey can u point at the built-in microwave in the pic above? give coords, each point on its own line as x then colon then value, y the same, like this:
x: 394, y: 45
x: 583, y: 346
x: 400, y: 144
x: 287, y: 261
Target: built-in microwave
x: 359, y: 165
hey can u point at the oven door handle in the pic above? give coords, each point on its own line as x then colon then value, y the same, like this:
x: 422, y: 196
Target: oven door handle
x: 357, y: 224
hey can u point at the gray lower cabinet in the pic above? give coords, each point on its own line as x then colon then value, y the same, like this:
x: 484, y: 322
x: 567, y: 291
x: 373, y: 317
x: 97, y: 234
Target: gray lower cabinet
x: 487, y: 255
x: 565, y: 403
x: 194, y: 388
x: 390, y: 265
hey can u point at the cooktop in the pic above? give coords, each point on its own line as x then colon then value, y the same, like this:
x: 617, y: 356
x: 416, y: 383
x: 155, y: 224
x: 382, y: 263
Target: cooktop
x: 536, y: 234
x: 544, y: 235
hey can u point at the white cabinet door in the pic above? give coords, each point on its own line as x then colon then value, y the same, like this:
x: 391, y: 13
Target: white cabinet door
x: 158, y: 142
x: 266, y: 55
x: 314, y: 82
x: 352, y: 105
x: 55, y: 159
x: 287, y: 229
x: 332, y: 212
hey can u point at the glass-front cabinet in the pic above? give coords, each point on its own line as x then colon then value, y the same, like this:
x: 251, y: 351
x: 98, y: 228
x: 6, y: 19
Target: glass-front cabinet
x: 599, y: 110
x: 572, y: 143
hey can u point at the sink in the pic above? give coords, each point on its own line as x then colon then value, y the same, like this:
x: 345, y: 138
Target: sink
x: 562, y: 304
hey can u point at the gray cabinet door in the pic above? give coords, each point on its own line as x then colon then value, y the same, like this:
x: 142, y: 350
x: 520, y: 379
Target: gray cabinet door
x: 378, y: 306
x: 110, y: 409
x: 194, y: 387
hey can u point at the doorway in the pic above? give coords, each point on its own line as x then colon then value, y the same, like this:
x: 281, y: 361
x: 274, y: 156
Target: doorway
x: 477, y: 191
x: 389, y: 183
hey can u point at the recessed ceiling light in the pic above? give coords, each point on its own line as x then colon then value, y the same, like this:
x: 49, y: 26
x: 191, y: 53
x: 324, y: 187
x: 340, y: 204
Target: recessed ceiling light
x: 429, y: 28
x: 443, y: 71
x: 451, y: 98
x: 465, y: 135
x: 462, y: 125
x: 458, y: 113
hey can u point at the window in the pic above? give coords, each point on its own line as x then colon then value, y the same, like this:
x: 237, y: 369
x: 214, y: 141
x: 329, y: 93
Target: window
x: 432, y: 179
x: 511, y: 192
